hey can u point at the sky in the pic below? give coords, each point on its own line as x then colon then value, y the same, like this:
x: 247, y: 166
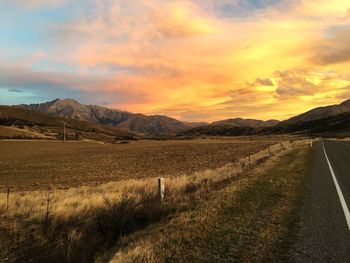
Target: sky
x: 194, y: 60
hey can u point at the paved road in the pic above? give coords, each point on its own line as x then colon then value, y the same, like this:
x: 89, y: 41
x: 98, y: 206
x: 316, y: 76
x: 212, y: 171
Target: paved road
x: 323, y: 234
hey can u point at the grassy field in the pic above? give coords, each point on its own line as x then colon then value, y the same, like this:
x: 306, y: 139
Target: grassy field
x: 34, y: 164
x: 94, y: 222
x: 249, y: 220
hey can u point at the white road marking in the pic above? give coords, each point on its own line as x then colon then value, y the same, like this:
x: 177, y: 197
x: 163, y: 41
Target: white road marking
x: 340, y: 194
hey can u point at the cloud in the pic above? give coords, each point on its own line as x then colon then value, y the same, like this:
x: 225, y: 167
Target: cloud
x: 334, y: 49
x: 89, y: 88
x: 15, y: 90
x: 183, y: 19
x: 188, y: 51
x: 294, y: 84
x: 264, y: 82
x: 347, y: 15
x: 336, y: 56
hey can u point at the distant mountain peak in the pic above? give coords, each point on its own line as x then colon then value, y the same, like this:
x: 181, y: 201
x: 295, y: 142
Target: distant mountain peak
x: 68, y: 100
x: 70, y: 108
x: 55, y: 100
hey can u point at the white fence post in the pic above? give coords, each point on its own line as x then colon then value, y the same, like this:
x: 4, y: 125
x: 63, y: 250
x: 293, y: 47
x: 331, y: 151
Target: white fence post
x: 161, y: 189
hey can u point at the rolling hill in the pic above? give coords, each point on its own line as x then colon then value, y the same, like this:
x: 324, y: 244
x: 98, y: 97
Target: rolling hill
x: 219, y: 130
x: 319, y: 113
x: 333, y: 125
x: 326, y: 121
x: 247, y: 122
x: 140, y: 123
x: 22, y: 123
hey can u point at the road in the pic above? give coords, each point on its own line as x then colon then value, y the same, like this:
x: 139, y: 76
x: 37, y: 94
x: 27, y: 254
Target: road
x: 323, y: 234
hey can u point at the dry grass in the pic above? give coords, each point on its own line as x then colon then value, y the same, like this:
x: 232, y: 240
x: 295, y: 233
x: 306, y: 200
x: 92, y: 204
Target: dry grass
x: 81, y: 217
x: 248, y: 221
x: 14, y: 132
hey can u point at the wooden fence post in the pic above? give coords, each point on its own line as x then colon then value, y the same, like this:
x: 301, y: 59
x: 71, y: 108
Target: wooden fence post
x: 64, y: 131
x: 48, y: 200
x: 161, y: 189
x: 7, y: 198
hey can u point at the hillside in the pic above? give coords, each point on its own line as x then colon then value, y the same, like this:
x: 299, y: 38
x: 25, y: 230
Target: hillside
x: 320, y: 113
x: 219, y: 130
x: 334, y: 125
x: 330, y: 120
x: 140, y: 123
x: 247, y: 122
x: 22, y: 123
x: 230, y: 127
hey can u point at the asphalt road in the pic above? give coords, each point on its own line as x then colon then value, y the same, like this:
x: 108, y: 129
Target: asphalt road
x: 323, y: 234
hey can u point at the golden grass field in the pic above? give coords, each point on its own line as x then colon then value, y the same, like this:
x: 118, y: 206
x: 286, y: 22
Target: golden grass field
x: 101, y: 193
x: 251, y: 219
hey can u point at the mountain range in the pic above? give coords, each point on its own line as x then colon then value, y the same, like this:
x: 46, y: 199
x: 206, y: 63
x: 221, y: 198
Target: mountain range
x: 140, y: 123
x: 332, y: 119
x: 118, y: 124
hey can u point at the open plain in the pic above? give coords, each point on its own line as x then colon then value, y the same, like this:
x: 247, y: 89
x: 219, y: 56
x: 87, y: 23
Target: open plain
x: 40, y: 164
x: 64, y: 193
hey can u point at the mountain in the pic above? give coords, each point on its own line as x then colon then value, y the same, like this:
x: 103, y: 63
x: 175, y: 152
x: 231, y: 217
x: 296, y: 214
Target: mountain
x: 247, y: 122
x: 325, y: 121
x: 140, y: 123
x: 320, y: 113
x: 334, y: 125
x: 25, y: 123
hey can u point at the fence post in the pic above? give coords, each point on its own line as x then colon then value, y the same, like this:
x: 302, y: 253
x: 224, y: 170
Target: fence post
x: 48, y: 200
x: 161, y: 189
x: 64, y: 131
x: 7, y: 198
x: 310, y: 143
x: 269, y: 150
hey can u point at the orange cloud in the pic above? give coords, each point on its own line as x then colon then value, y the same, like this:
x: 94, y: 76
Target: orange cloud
x: 183, y: 19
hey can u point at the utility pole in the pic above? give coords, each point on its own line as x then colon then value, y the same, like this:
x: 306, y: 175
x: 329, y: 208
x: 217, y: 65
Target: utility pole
x: 64, y: 131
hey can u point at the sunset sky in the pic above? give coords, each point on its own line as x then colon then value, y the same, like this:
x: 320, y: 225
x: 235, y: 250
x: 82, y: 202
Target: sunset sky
x: 195, y: 60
